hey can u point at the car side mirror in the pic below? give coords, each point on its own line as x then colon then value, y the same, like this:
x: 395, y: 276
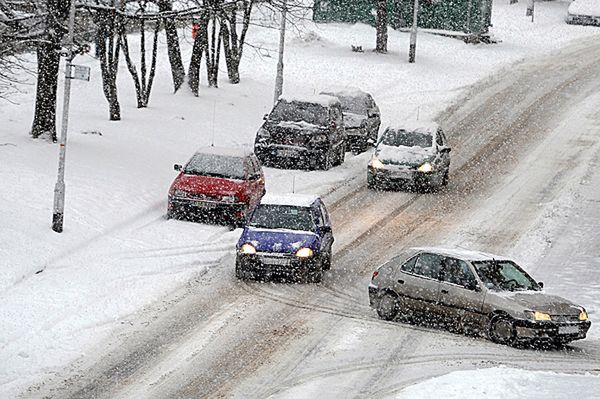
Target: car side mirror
x: 326, y: 229
x: 265, y: 117
x: 177, y: 167
x: 541, y: 284
x: 255, y: 176
x: 473, y: 286
x: 445, y: 149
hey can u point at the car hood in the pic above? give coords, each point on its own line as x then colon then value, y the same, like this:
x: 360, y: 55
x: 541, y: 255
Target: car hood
x: 542, y: 302
x: 279, y: 240
x: 207, y: 185
x: 353, y: 121
x: 585, y: 7
x: 410, y: 156
x: 300, y: 127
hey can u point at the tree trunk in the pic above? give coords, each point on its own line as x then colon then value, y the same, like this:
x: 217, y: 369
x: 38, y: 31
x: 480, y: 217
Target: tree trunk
x: 233, y: 45
x: 44, y: 118
x: 213, y: 54
x: 173, y: 50
x: 381, y: 27
x: 200, y: 45
x: 108, y: 53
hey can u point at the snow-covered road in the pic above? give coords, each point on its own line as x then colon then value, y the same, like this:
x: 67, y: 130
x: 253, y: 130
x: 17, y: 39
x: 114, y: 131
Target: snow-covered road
x: 524, y: 182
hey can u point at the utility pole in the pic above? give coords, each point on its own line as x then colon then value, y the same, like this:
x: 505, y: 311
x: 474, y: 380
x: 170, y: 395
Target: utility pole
x: 412, y: 51
x: 530, y: 9
x: 59, y: 188
x: 279, y: 77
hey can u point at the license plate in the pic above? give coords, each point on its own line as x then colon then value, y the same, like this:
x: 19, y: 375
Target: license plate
x: 287, y: 153
x: 401, y: 174
x: 568, y: 330
x: 206, y: 205
x: 276, y: 261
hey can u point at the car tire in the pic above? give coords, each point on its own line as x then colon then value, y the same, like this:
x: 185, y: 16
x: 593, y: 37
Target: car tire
x: 316, y: 274
x: 501, y: 330
x: 341, y: 155
x: 326, y: 262
x: 324, y: 162
x: 371, y: 183
x: 388, y: 307
x: 445, y: 178
x: 239, y: 274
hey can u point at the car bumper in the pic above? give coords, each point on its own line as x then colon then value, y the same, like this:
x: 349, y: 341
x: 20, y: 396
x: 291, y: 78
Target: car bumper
x: 292, y: 154
x: 266, y: 264
x: 535, y: 331
x: 190, y: 206
x: 583, y: 20
x: 388, y: 177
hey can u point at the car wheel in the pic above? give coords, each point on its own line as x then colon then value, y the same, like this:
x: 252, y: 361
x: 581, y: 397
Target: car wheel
x: 239, y: 274
x: 445, y: 178
x: 326, y: 263
x: 316, y: 274
x: 502, y: 330
x: 325, y: 160
x: 371, y: 182
x: 388, y: 307
x: 341, y: 154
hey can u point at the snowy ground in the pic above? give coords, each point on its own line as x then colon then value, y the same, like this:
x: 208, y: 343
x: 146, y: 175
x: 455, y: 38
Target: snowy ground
x: 118, y: 254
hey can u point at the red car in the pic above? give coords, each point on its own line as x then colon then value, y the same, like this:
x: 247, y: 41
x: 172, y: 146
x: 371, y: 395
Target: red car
x: 221, y: 183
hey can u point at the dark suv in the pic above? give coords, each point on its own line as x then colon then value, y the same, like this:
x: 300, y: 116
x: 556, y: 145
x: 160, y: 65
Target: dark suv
x: 361, y: 117
x: 303, y: 132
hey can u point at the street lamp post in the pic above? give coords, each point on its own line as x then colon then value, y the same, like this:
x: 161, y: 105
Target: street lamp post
x: 59, y: 188
x: 412, y: 51
x: 279, y: 77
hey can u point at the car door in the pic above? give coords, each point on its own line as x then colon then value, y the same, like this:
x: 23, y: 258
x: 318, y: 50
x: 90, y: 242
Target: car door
x: 444, y: 150
x: 338, y: 134
x: 374, y: 119
x: 461, y: 297
x: 323, y: 226
x: 418, y: 281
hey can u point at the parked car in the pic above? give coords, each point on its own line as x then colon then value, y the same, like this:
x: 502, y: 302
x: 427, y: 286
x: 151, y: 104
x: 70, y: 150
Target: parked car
x: 476, y: 292
x: 222, y: 183
x: 361, y: 117
x: 288, y: 235
x: 584, y: 12
x: 414, y: 153
x: 303, y: 132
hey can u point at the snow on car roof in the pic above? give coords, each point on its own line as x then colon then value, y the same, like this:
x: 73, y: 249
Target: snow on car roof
x: 348, y: 91
x: 585, y: 7
x: 303, y: 200
x: 320, y: 99
x: 238, y: 152
x: 416, y: 125
x: 460, y: 253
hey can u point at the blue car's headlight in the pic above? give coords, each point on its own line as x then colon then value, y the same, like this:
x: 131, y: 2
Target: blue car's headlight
x: 247, y: 249
x: 304, y: 252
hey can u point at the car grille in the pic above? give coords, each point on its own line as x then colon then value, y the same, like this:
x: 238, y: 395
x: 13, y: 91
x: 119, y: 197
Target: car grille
x: 205, y: 197
x: 290, y: 137
x: 275, y: 259
x: 565, y: 318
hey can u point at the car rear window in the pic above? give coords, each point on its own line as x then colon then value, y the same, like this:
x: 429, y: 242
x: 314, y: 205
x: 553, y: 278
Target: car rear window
x: 282, y: 217
x: 214, y: 165
x: 400, y: 137
x: 355, y: 105
x: 314, y: 114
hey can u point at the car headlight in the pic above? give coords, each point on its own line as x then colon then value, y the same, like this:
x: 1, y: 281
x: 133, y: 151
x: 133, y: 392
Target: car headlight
x: 263, y: 133
x: 304, y: 252
x: 583, y: 316
x: 425, y: 168
x: 541, y: 316
x: 376, y: 163
x: 180, y: 193
x: 248, y: 249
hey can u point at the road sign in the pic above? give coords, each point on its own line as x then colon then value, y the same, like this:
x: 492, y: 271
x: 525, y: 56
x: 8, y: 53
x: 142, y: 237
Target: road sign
x: 80, y: 72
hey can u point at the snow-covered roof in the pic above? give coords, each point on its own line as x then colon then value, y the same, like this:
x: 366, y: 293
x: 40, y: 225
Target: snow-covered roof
x: 238, y: 152
x: 320, y: 99
x: 343, y: 91
x: 304, y: 200
x: 460, y: 253
x: 422, y: 126
x: 585, y: 7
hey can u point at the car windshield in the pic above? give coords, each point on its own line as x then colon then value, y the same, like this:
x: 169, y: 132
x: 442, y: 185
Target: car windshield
x: 355, y: 105
x: 282, y: 217
x: 401, y: 137
x: 214, y: 165
x: 504, y: 275
x: 314, y: 114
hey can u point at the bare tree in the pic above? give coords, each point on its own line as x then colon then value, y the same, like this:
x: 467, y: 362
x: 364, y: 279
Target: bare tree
x: 233, y: 44
x: 173, y: 50
x: 381, y: 27
x: 200, y: 46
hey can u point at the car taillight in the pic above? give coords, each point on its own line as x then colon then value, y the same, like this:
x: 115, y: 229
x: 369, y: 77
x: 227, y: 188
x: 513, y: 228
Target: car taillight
x: 375, y: 274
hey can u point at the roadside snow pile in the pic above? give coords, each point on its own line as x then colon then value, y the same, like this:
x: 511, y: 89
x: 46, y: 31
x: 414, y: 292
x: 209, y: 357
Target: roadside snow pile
x: 502, y: 383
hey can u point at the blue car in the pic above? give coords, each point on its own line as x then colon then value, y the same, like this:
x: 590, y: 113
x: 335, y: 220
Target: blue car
x: 288, y: 235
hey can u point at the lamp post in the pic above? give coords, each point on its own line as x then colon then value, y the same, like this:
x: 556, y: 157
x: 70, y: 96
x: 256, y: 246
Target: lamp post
x: 59, y: 188
x: 412, y: 50
x: 279, y: 77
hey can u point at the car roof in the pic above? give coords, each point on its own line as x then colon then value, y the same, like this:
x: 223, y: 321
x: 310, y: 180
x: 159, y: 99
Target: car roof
x: 344, y: 91
x: 460, y: 253
x: 430, y: 127
x: 584, y: 7
x: 321, y: 99
x: 301, y: 200
x: 237, y: 152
